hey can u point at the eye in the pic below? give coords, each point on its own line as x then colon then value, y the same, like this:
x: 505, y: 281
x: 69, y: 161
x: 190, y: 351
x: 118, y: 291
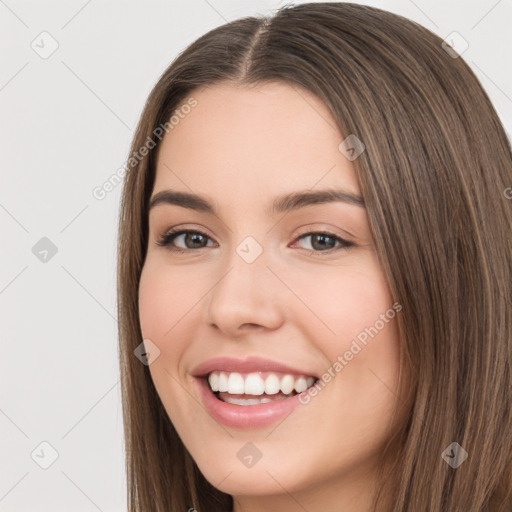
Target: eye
x: 321, y: 242
x: 194, y: 237
x: 325, y: 242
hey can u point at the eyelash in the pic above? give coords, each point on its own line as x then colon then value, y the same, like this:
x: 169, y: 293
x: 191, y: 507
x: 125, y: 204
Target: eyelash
x: 166, y: 239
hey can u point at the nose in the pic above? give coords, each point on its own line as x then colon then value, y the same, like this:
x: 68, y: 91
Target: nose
x: 245, y: 298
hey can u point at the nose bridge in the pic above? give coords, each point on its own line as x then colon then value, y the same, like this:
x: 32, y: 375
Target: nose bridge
x: 246, y: 292
x: 247, y: 271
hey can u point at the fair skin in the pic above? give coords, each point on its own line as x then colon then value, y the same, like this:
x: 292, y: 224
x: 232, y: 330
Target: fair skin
x: 297, y: 303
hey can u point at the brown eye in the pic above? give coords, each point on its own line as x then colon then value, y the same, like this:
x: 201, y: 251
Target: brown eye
x: 192, y: 240
x: 325, y: 242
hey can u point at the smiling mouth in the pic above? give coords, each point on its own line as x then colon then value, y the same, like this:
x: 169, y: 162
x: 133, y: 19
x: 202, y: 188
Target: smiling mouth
x: 256, y: 387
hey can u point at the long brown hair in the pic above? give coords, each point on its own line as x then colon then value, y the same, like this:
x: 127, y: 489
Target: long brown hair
x: 433, y: 176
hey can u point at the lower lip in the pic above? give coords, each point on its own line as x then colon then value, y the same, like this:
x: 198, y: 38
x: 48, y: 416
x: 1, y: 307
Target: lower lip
x: 245, y: 416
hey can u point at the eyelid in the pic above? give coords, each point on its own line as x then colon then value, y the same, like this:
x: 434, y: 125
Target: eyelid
x: 331, y: 231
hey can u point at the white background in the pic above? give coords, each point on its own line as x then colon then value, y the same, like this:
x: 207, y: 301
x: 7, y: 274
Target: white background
x: 67, y: 122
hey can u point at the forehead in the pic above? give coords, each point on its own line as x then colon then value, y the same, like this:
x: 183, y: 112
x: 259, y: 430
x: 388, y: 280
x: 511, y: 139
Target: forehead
x: 242, y: 142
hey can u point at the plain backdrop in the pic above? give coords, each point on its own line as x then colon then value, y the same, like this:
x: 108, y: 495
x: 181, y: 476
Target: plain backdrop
x: 67, y: 121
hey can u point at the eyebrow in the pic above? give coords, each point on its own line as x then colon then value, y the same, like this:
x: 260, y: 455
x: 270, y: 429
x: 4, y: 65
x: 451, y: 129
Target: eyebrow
x: 280, y: 204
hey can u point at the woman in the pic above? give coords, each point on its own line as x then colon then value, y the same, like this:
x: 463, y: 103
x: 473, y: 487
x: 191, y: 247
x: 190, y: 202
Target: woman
x: 315, y: 268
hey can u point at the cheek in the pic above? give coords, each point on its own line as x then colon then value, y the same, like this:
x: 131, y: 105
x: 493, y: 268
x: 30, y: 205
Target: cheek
x: 344, y: 300
x: 165, y: 309
x: 355, y: 327
x: 166, y: 297
x: 166, y: 305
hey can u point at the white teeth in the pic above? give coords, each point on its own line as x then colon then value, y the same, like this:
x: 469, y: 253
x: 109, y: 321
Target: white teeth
x: 241, y: 401
x: 287, y: 384
x: 272, y: 384
x: 236, y: 384
x: 223, y: 382
x: 213, y: 379
x: 250, y: 401
x: 253, y: 384
x: 301, y: 384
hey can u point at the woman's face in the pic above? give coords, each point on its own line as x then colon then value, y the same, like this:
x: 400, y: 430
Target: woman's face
x: 272, y: 297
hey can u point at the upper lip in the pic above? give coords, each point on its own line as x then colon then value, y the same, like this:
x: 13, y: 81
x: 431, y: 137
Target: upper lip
x: 250, y: 364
